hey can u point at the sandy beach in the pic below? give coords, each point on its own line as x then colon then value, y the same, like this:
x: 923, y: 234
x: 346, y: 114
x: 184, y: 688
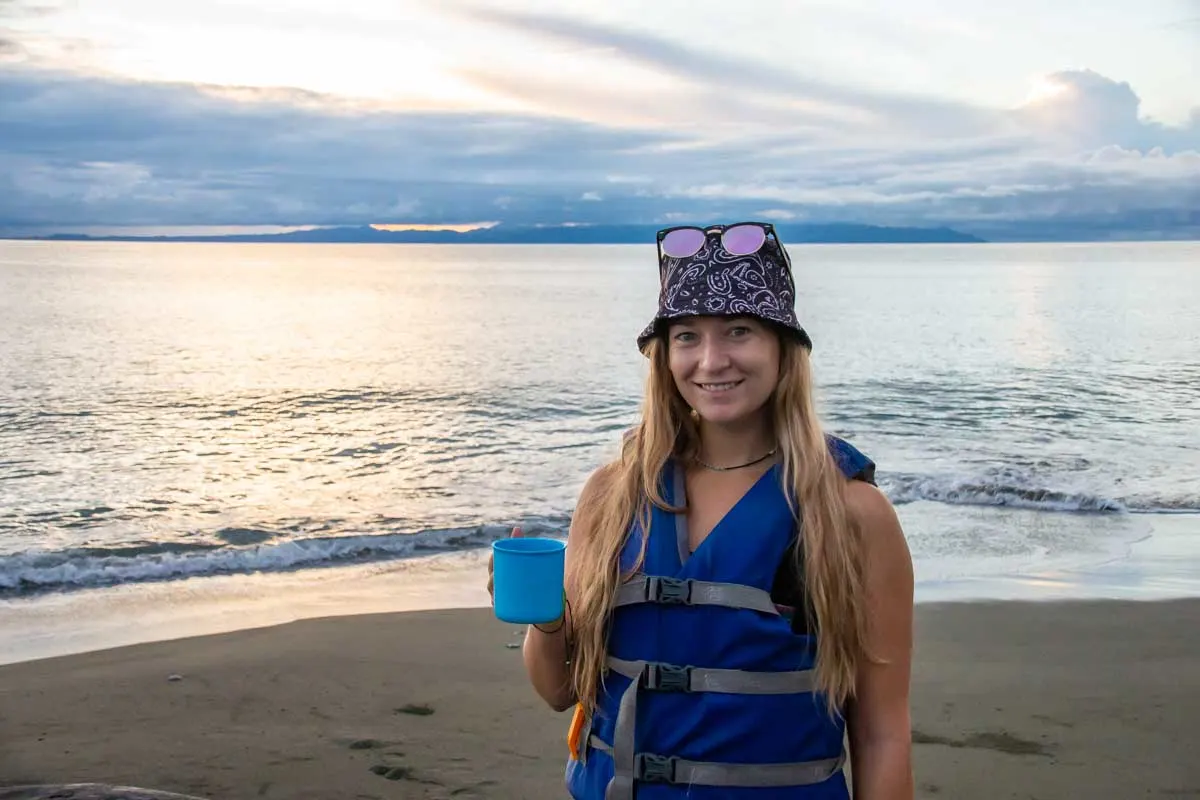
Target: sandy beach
x: 1070, y: 700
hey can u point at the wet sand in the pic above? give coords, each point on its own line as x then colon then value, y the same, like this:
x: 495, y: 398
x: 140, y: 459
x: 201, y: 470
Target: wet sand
x: 1070, y: 700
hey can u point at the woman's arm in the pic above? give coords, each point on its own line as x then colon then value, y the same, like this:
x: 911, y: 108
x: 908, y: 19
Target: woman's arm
x: 879, y: 722
x: 546, y: 654
x: 546, y: 657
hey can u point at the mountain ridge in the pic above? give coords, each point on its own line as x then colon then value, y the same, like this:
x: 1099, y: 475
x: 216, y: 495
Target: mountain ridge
x: 832, y: 233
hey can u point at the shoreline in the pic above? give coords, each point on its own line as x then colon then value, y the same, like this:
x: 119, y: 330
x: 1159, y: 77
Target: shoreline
x: 395, y: 679
x: 1163, y: 566
x: 1080, y: 698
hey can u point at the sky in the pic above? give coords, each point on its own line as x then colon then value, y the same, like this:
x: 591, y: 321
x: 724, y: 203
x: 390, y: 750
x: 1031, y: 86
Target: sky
x: 991, y: 118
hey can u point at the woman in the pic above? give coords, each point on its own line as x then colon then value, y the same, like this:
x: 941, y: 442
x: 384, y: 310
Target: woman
x: 739, y: 594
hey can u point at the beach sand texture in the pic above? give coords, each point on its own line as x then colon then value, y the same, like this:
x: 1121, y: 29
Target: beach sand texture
x: 1070, y: 700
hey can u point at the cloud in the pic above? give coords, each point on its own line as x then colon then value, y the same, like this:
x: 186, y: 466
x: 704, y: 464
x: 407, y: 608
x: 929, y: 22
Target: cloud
x: 14, y: 40
x: 741, y: 90
x: 88, y: 149
x: 878, y: 156
x: 1193, y: 22
x: 1082, y: 108
x: 84, y: 151
x: 10, y: 46
x: 25, y: 8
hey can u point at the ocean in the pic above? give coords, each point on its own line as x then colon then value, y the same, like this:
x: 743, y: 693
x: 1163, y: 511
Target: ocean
x: 174, y: 413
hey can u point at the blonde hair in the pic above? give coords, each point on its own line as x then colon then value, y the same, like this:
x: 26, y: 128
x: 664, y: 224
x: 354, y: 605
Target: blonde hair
x: 827, y: 552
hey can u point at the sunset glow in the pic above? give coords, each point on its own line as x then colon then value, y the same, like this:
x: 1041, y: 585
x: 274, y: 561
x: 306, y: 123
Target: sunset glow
x: 462, y: 228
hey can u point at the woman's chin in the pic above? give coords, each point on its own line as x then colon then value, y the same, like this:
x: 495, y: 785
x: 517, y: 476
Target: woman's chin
x: 724, y: 413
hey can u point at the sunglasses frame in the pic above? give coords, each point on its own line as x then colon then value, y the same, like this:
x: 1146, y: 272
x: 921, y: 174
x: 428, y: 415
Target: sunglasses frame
x: 768, y: 229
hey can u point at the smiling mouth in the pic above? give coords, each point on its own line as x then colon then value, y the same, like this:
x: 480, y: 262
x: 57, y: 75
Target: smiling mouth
x: 717, y: 388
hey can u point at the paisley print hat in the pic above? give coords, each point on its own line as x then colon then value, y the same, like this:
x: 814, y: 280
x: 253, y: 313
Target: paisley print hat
x: 725, y: 270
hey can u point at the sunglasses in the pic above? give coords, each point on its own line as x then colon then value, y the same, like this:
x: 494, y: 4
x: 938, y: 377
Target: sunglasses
x: 741, y: 239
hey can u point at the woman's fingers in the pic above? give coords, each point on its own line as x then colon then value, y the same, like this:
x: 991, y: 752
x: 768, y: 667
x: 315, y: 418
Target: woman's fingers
x: 517, y: 533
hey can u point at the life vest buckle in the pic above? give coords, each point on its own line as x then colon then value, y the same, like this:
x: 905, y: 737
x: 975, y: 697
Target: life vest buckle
x: 675, y: 591
x: 667, y: 678
x: 650, y: 768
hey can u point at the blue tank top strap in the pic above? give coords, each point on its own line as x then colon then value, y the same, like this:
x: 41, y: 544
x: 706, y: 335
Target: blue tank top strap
x: 852, y: 462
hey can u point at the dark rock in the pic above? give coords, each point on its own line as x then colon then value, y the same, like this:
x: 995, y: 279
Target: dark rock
x: 416, y: 710
x: 87, y: 791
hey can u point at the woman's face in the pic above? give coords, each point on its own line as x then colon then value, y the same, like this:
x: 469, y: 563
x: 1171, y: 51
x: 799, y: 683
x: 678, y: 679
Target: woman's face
x: 724, y: 367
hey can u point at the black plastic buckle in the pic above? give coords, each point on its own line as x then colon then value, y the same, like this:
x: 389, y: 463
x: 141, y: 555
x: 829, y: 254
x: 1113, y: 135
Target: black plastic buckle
x: 674, y: 591
x: 667, y: 678
x: 650, y: 768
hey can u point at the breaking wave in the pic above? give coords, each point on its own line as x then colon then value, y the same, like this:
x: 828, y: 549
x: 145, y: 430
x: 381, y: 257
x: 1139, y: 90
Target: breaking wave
x: 978, y: 492
x: 37, y: 572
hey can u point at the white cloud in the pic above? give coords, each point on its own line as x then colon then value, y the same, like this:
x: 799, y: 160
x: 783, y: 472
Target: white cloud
x: 778, y: 214
x: 713, y: 135
x: 1085, y: 109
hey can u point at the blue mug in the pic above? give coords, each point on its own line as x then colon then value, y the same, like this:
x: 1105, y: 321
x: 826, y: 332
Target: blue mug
x: 527, y: 579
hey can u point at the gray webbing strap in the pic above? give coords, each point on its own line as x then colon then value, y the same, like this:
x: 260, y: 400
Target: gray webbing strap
x: 662, y: 769
x: 671, y: 678
x: 682, y: 540
x: 629, y: 766
x: 678, y: 591
x: 624, y: 761
x: 650, y: 768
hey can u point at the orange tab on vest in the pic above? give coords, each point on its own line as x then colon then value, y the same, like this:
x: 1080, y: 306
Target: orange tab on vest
x: 575, y: 731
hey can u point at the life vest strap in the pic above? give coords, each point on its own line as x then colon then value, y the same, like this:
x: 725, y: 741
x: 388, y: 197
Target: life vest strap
x: 630, y: 766
x: 672, y: 678
x: 652, y: 768
x: 678, y: 591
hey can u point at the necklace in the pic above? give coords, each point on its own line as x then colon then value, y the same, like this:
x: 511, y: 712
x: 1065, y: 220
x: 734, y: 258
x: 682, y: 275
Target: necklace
x: 761, y: 458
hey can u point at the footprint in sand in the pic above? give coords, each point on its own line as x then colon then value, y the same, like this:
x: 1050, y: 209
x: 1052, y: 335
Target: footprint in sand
x: 1000, y: 741
x: 393, y: 773
x: 366, y: 744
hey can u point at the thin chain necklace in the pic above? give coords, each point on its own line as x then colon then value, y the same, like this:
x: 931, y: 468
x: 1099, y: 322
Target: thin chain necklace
x: 758, y: 460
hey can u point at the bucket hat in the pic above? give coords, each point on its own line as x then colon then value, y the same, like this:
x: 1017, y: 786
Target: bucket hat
x: 713, y: 281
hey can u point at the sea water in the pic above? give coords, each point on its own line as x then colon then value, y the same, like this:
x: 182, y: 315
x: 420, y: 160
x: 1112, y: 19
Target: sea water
x: 174, y: 413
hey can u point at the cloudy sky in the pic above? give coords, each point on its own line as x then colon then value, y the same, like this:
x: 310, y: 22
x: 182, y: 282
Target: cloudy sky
x: 989, y: 117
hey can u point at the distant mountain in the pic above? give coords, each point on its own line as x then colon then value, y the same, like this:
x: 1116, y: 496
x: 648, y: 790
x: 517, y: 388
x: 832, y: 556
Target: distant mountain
x: 557, y: 234
x: 1142, y: 225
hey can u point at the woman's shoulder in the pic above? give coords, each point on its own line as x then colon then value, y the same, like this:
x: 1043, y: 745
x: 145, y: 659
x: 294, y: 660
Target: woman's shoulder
x: 599, y: 480
x: 886, y: 558
x: 866, y: 504
x: 591, y: 499
x: 865, y: 501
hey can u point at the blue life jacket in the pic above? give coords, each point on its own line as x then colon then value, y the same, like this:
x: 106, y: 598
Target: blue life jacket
x: 709, y: 692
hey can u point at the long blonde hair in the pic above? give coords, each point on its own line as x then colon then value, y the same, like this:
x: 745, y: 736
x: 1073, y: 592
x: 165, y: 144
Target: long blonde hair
x: 828, y: 550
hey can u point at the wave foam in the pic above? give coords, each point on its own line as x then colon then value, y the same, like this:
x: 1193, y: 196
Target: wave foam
x: 1015, y: 494
x: 28, y: 573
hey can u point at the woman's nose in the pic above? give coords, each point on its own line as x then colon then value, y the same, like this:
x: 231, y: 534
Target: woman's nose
x: 713, y: 357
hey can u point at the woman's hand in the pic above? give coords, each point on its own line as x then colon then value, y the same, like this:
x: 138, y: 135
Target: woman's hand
x: 516, y: 534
